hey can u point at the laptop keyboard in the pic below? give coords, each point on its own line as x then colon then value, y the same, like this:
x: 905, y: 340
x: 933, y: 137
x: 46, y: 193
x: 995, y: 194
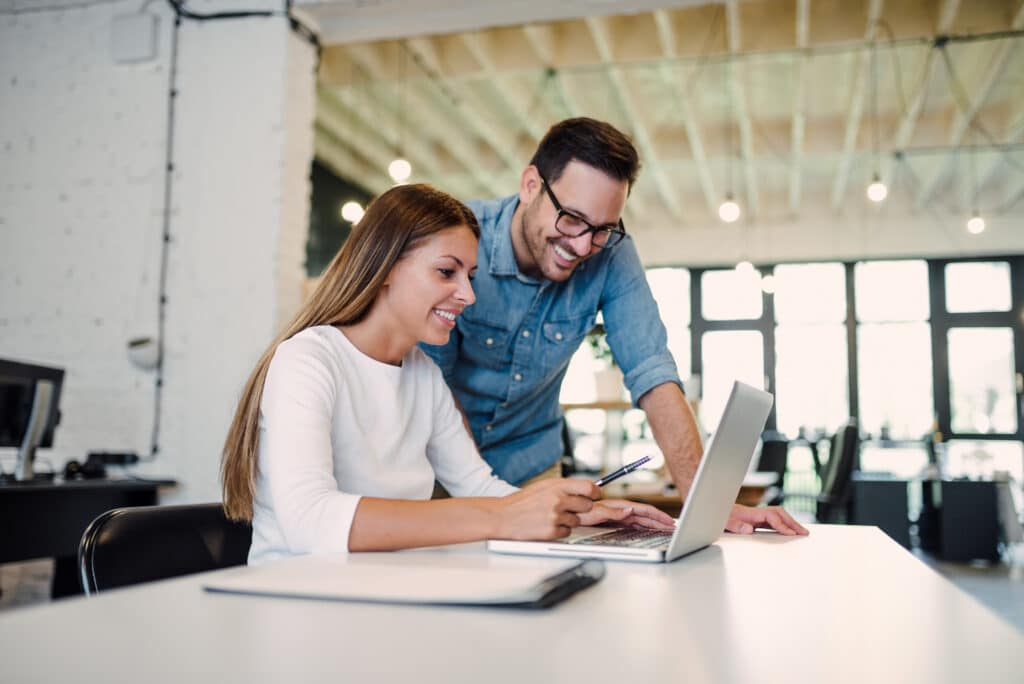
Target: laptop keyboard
x: 628, y: 536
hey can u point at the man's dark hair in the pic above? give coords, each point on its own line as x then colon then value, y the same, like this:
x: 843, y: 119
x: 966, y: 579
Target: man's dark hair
x: 595, y: 143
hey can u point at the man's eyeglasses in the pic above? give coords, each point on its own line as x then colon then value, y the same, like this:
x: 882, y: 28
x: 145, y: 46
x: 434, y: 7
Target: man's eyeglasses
x: 573, y: 225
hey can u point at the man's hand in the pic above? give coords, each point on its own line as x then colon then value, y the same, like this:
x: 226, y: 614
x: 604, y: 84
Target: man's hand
x: 744, y: 520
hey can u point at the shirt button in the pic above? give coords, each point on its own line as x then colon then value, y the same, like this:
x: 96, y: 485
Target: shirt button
x: 526, y: 333
x: 518, y: 376
x: 558, y: 335
x: 490, y: 341
x: 488, y: 428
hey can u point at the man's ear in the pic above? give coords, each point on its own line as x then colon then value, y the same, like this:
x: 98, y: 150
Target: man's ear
x: 529, y: 184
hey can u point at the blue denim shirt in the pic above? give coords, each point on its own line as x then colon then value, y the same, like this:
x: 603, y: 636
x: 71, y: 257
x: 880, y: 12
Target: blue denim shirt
x: 507, y: 356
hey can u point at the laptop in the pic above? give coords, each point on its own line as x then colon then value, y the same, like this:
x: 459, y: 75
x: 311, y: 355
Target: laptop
x: 705, y: 512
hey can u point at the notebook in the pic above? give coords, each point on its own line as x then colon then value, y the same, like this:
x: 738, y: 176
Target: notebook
x: 416, y: 577
x: 707, y: 507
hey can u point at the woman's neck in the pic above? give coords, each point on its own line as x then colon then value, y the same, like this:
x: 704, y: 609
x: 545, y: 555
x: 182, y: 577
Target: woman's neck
x: 378, y: 341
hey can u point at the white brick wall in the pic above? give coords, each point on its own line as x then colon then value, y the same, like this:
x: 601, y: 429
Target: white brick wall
x: 82, y: 154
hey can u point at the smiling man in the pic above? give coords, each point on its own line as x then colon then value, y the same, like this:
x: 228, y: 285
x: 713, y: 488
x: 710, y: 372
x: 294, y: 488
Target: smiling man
x: 550, y: 258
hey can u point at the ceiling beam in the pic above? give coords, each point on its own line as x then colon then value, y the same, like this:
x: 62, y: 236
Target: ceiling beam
x: 542, y: 43
x: 908, y: 122
x: 737, y: 84
x: 500, y: 85
x: 429, y: 118
x: 454, y: 100
x: 796, y: 146
x: 359, y: 123
x: 976, y: 100
x: 341, y: 161
x: 856, y: 110
x: 666, y: 190
x: 667, y: 38
x: 1013, y: 134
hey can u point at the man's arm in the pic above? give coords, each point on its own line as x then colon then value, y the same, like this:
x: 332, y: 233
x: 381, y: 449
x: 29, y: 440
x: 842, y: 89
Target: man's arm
x: 675, y: 431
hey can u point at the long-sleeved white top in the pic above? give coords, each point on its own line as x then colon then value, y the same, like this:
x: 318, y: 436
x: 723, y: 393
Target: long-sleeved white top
x: 336, y: 425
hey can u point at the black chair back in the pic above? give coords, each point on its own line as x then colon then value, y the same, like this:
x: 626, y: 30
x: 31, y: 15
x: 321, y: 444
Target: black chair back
x: 128, y: 546
x: 774, y: 459
x: 835, y: 481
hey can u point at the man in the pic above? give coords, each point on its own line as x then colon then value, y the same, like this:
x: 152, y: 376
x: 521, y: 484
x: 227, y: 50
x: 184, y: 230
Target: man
x: 549, y: 259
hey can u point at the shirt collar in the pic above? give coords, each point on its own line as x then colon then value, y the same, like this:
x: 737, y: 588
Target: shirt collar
x: 503, y: 258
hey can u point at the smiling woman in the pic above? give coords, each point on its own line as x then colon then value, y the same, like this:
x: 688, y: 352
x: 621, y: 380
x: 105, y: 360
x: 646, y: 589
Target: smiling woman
x: 345, y: 423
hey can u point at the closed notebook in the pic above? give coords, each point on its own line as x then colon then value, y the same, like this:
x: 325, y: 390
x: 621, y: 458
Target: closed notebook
x: 417, y: 577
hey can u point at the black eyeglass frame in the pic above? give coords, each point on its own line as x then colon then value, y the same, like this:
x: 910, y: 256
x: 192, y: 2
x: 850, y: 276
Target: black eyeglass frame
x: 614, y: 233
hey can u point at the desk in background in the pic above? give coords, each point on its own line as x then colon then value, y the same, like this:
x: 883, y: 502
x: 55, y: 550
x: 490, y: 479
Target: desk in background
x: 47, y: 519
x: 845, y: 604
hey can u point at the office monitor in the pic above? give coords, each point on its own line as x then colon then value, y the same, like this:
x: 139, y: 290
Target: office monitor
x: 29, y: 411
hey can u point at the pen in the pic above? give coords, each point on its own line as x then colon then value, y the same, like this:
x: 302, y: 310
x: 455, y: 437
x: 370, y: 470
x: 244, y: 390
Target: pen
x: 624, y: 470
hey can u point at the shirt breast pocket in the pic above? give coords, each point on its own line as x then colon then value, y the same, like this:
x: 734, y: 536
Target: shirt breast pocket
x: 484, y: 343
x: 562, y: 338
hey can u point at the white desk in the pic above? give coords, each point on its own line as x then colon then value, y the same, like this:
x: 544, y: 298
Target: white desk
x: 843, y: 605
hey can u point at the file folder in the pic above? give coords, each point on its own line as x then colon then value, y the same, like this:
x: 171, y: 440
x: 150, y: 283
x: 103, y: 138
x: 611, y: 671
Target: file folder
x: 419, y: 577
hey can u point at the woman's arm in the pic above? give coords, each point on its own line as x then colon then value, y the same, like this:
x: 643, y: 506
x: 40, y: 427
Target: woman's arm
x: 545, y: 510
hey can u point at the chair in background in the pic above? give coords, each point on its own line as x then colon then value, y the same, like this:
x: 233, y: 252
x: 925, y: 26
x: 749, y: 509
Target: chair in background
x: 773, y: 459
x: 128, y: 546
x: 835, y: 481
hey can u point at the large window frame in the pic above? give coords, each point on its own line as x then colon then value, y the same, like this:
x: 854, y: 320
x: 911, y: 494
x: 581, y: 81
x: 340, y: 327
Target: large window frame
x: 940, y: 322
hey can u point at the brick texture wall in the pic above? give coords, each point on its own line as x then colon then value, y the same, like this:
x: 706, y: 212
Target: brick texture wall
x: 82, y: 168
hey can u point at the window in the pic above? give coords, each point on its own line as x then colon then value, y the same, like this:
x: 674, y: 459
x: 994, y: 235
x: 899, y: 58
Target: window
x: 728, y: 355
x: 671, y: 290
x: 895, y: 369
x: 978, y: 286
x: 730, y: 294
x: 982, y: 396
x: 894, y: 352
x: 811, y: 380
x: 891, y: 291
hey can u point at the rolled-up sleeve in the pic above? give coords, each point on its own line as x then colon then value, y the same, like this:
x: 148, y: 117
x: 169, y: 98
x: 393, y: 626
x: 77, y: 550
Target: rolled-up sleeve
x: 636, y: 334
x: 295, y: 457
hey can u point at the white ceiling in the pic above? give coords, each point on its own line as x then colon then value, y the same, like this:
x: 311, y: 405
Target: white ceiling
x: 772, y: 100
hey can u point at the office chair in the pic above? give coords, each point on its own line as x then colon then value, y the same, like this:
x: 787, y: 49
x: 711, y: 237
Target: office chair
x: 835, y: 482
x: 128, y: 546
x: 773, y: 459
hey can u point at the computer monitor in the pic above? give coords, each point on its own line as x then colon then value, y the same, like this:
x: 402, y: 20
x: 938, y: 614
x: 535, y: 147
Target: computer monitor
x: 29, y: 410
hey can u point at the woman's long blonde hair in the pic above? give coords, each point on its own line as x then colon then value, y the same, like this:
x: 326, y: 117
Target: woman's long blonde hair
x: 393, y: 224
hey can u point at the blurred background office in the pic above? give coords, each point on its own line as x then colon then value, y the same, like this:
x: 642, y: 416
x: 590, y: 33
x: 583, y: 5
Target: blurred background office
x: 831, y: 208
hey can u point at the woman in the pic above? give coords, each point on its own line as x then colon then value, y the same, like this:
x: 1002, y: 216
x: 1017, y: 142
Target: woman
x: 345, y: 423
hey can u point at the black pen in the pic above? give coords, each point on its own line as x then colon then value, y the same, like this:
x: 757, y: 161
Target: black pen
x: 624, y: 470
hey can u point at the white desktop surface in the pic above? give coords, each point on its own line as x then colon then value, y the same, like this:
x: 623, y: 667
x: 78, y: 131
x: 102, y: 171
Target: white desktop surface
x: 846, y: 604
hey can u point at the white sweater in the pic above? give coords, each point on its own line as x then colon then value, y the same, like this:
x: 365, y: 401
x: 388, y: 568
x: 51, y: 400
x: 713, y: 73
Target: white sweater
x: 336, y: 425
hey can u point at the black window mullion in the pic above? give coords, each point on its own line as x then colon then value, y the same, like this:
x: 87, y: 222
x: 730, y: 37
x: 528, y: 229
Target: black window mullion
x: 853, y: 384
x: 1017, y: 323
x: 940, y: 324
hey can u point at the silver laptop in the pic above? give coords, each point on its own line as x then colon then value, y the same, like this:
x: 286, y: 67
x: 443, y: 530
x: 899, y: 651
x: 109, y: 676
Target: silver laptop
x: 707, y: 507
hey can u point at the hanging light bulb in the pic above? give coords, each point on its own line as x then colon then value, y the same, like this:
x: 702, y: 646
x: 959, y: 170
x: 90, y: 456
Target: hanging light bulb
x: 729, y: 211
x: 744, y: 267
x: 877, y: 192
x: 399, y: 170
x: 352, y: 212
x: 768, y: 283
x: 975, y: 224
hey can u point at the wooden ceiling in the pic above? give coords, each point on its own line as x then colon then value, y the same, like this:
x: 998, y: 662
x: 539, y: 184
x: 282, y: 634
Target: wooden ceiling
x: 789, y: 105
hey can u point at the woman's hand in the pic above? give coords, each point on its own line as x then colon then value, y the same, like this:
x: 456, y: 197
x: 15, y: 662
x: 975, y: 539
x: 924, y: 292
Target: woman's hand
x: 628, y: 513
x: 548, y: 509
